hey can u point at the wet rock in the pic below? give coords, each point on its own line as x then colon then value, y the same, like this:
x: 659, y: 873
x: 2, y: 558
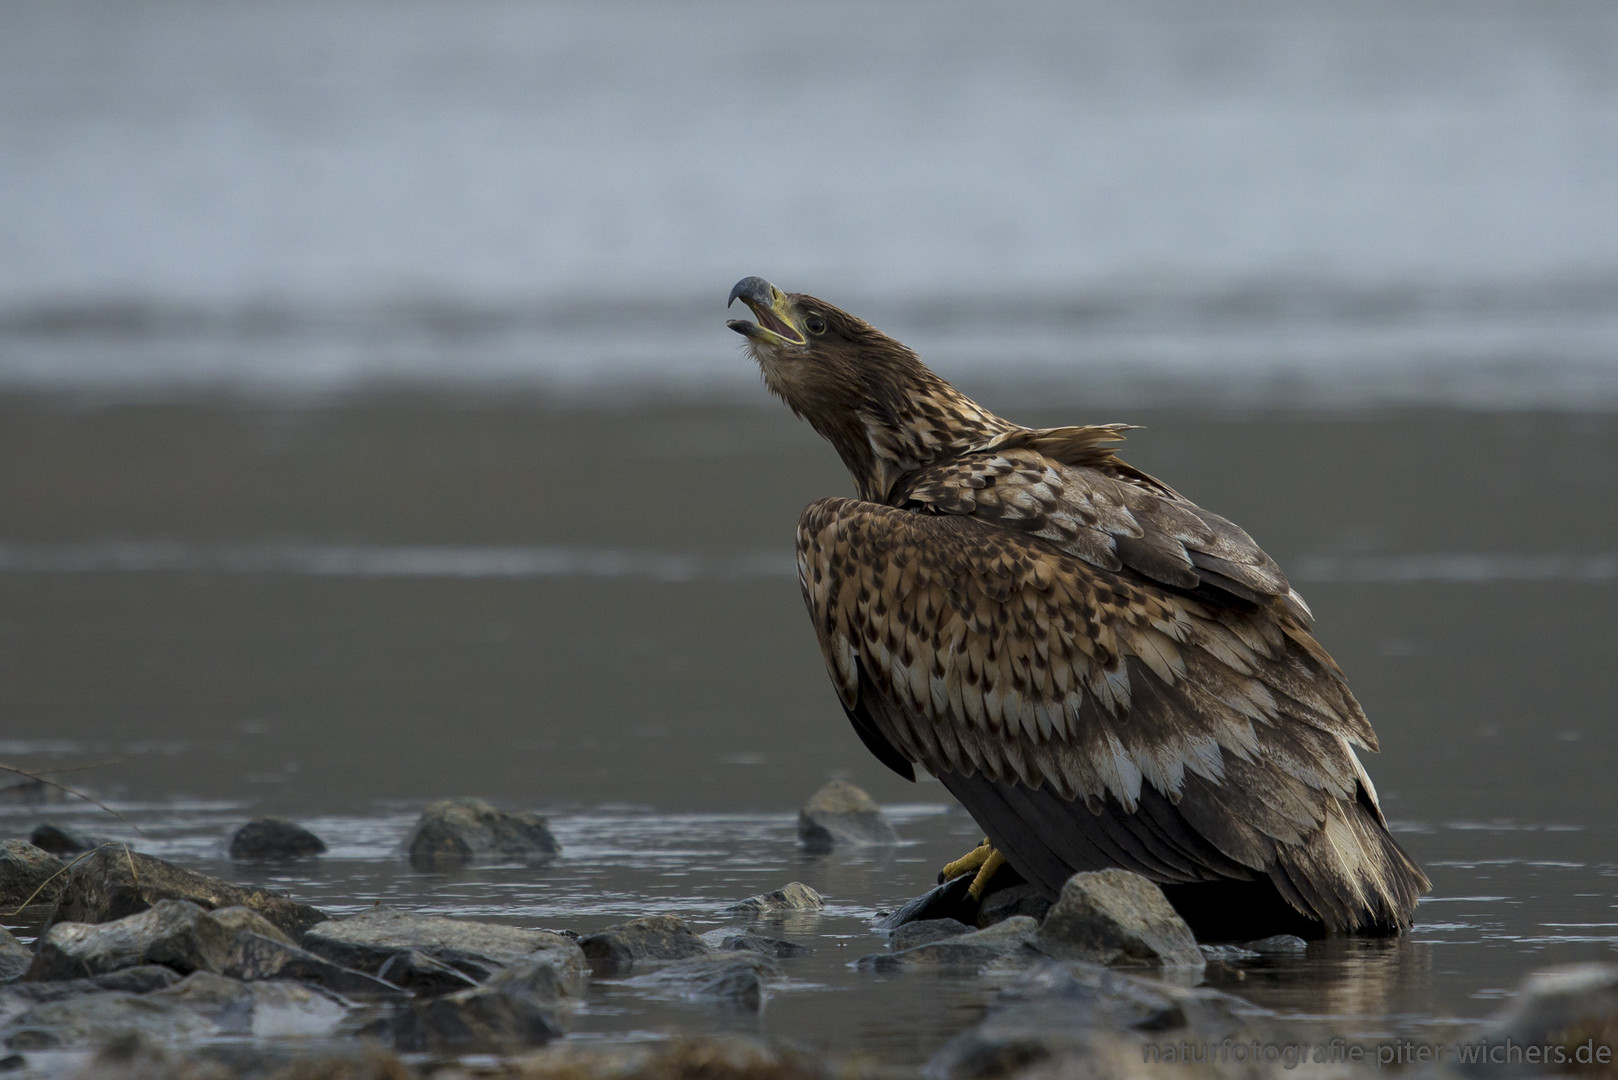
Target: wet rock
x: 259, y: 1009
x: 142, y: 979
x: 842, y: 815
x: 14, y: 956
x: 1008, y: 944
x: 1076, y: 1019
x: 1278, y: 945
x: 114, y: 882
x: 1116, y: 917
x: 59, y: 839
x: 732, y: 939
x: 656, y: 937
x: 912, y: 934
x: 252, y: 957
x: 244, y: 920
x: 729, y: 980
x: 456, y: 832
x: 368, y: 941
x: 795, y: 896
x: 270, y: 838
x: 1569, y: 1012
x: 422, y: 975
x: 949, y: 900
x: 514, y: 1009
x: 1021, y: 899
x: 28, y: 875
x: 101, y: 1017
x: 174, y: 933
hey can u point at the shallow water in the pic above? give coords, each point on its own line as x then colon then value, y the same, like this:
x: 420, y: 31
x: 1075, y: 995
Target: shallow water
x: 338, y: 611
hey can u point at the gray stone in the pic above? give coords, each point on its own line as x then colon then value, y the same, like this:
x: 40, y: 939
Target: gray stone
x: 244, y: 920
x: 260, y: 1009
x: 101, y: 1017
x: 1278, y: 945
x: 252, y: 957
x: 456, y: 832
x: 794, y: 896
x: 174, y: 933
x: 1116, y: 917
x: 514, y: 1010
x: 1005, y: 945
x: 732, y: 939
x: 842, y: 815
x: 271, y: 838
x: 729, y: 980
x: 657, y: 937
x: 367, y: 941
x: 927, y: 930
x: 1076, y: 1019
x: 113, y: 882
x: 60, y: 840
x: 1573, y: 1008
x: 142, y: 979
x: 28, y: 875
x: 15, y: 957
x: 422, y: 975
x: 1022, y: 899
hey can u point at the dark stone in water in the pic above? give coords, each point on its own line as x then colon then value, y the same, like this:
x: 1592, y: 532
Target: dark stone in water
x: 927, y: 930
x: 794, y: 896
x: 730, y: 980
x: 174, y: 933
x: 456, y: 832
x: 1278, y: 945
x: 1021, y: 899
x: 274, y: 838
x: 1006, y: 944
x: 14, y: 956
x: 253, y: 957
x: 423, y: 975
x: 28, y: 875
x: 260, y: 1008
x: 947, y: 901
x: 656, y: 937
x: 114, y: 882
x: 100, y: 1017
x: 142, y: 979
x: 1116, y: 917
x: 368, y: 941
x: 60, y: 840
x: 515, y: 1009
x: 842, y: 815
x: 731, y: 939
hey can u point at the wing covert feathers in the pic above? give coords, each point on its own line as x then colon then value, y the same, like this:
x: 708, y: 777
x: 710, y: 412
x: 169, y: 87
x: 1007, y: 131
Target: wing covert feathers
x: 1105, y: 675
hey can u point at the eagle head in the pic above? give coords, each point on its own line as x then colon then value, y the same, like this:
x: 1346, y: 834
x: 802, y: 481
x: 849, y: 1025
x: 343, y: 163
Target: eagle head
x: 870, y: 396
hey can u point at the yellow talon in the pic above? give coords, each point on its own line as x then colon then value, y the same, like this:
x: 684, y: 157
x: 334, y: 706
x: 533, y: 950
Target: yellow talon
x: 982, y: 860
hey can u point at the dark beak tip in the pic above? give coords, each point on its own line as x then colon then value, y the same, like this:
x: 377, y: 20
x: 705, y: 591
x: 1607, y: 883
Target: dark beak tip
x: 755, y: 287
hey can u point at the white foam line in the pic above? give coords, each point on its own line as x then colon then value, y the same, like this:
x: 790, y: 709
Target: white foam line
x: 349, y: 560
x: 548, y: 561
x: 1455, y: 568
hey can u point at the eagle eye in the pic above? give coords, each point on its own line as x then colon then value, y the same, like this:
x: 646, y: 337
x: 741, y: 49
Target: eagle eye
x: 815, y: 324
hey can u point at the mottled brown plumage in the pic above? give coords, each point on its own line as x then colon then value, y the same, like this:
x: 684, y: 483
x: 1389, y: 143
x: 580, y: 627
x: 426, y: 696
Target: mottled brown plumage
x: 1103, y: 672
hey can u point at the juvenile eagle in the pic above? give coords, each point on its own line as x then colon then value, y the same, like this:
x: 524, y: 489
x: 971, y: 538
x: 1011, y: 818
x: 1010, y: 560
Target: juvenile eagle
x: 1104, y: 673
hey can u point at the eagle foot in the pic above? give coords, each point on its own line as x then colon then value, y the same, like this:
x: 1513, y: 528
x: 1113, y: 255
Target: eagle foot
x: 982, y: 861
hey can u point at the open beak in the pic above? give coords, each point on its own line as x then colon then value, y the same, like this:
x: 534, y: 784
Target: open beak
x: 772, y: 309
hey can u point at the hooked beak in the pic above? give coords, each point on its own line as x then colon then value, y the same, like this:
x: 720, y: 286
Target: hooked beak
x: 776, y: 322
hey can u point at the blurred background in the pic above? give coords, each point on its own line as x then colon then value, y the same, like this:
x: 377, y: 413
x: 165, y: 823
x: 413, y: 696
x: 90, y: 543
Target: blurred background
x: 370, y: 430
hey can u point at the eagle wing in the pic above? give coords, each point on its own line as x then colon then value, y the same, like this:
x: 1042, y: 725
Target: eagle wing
x: 1105, y: 675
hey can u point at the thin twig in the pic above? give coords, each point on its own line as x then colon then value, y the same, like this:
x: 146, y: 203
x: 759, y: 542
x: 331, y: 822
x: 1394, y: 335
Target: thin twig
x: 38, y: 778
x: 84, y: 768
x: 53, y: 877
